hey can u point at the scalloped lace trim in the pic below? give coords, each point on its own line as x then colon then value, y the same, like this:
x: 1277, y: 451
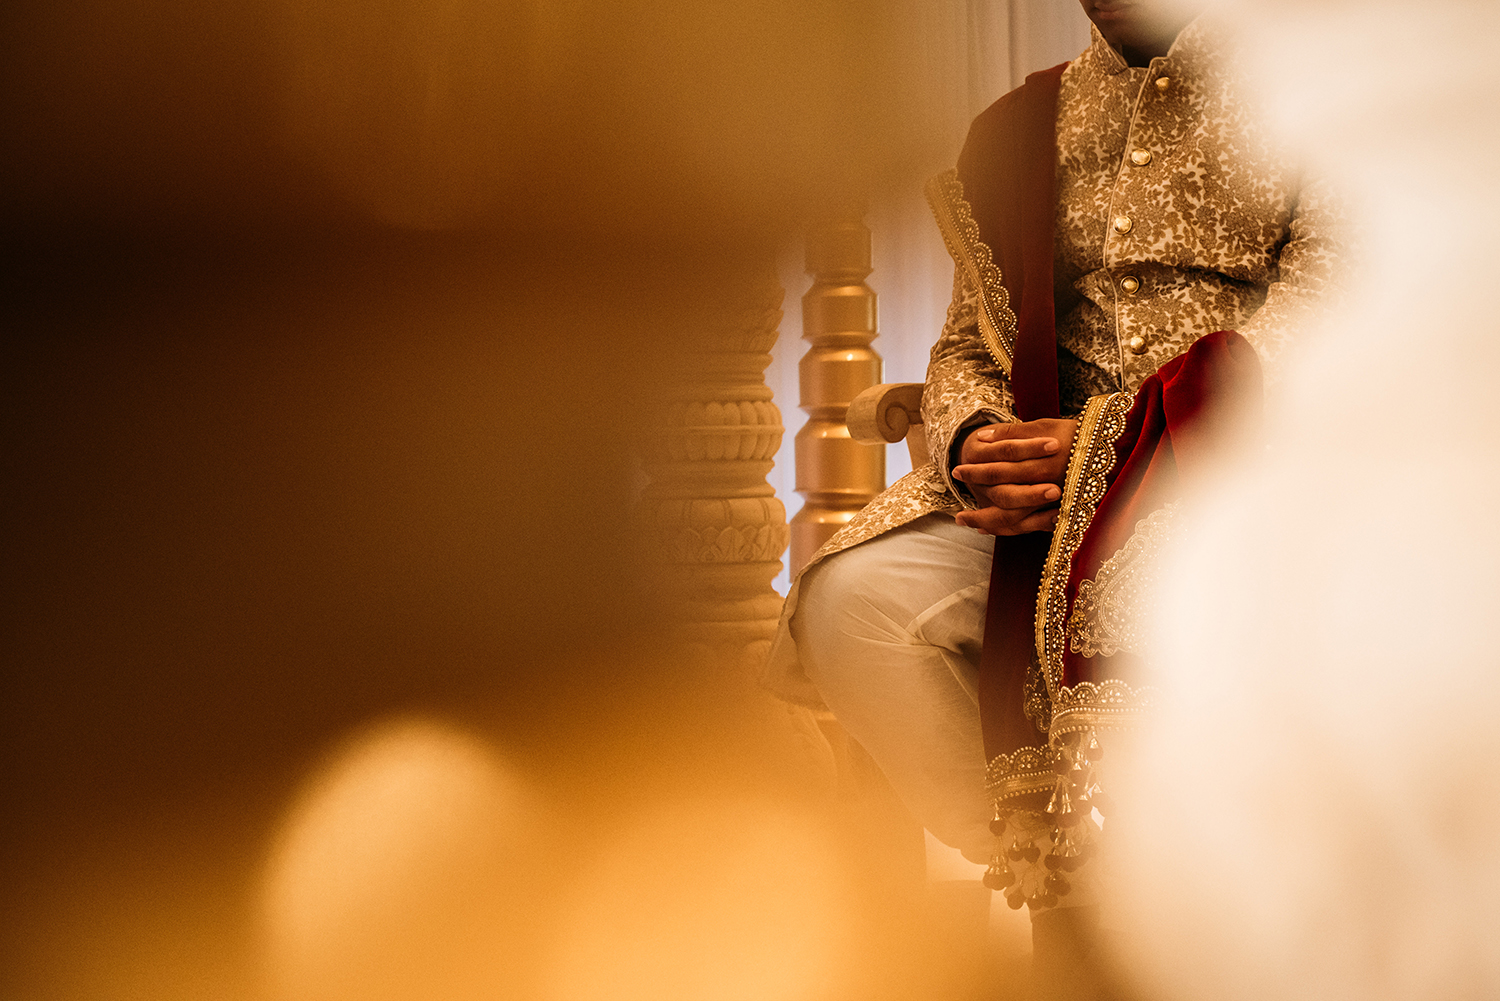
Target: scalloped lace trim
x: 1108, y: 610
x: 955, y: 219
x: 1093, y: 457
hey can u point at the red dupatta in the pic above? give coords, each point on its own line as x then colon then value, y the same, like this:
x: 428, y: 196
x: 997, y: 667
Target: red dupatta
x: 996, y: 211
x: 1042, y: 703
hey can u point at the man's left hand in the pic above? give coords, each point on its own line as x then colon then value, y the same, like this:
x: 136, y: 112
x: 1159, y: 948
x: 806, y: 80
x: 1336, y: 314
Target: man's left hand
x: 1016, y: 471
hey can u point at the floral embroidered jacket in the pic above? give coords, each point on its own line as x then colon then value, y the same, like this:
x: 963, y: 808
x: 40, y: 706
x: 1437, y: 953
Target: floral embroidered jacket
x: 1176, y: 216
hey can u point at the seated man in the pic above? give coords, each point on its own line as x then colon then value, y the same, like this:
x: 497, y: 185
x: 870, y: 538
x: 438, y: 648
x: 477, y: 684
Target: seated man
x: 1103, y: 219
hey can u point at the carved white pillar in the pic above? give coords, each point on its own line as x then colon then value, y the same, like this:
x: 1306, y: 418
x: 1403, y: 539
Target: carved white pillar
x: 713, y: 527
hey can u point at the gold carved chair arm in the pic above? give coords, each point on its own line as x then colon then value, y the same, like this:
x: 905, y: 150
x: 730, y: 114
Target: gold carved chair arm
x: 885, y: 413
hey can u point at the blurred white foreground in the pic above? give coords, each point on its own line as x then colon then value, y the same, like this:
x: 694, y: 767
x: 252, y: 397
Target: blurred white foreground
x: 1322, y: 810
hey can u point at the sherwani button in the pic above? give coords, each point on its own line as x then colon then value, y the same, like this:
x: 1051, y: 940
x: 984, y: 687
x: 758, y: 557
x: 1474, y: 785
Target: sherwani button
x: 1130, y: 283
x: 1140, y: 157
x: 1162, y: 83
x: 1137, y: 345
x: 1123, y: 224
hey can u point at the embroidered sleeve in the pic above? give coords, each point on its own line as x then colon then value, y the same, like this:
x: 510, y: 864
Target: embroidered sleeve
x: 1310, y: 276
x: 965, y: 385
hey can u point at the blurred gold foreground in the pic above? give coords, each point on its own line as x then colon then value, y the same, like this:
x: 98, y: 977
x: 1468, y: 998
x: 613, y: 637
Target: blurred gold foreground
x: 335, y: 666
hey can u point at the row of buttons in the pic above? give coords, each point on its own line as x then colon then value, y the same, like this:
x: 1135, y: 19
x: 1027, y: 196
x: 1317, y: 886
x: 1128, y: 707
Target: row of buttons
x: 1124, y: 224
x: 1131, y: 284
x: 1140, y: 157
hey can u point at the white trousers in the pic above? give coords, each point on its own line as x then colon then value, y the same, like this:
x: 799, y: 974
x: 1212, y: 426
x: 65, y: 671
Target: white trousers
x: 890, y: 632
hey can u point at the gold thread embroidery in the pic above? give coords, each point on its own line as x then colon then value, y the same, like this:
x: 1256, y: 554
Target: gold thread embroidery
x: 1095, y: 706
x: 955, y: 219
x: 1083, y: 638
x: 1024, y: 770
x: 1036, y: 705
x: 1102, y: 423
x: 1108, y: 607
x: 1039, y: 854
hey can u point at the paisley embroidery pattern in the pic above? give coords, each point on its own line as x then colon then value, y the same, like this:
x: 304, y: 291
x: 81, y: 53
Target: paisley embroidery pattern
x: 1108, y: 609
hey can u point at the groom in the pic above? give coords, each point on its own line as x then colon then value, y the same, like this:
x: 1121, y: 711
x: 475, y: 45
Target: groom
x: 1105, y: 219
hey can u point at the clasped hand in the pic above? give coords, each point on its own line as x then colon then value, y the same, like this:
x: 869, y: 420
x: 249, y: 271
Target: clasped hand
x: 1015, y: 472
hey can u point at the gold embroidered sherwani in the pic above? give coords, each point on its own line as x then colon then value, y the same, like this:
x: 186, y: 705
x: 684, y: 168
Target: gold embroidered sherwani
x: 1176, y: 217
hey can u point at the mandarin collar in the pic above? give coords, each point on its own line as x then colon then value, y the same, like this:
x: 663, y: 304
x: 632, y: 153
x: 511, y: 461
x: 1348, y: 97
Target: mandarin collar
x: 1197, y: 39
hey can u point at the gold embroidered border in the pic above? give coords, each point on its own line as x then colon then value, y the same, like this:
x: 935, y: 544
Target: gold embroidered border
x: 1102, y: 423
x: 1025, y: 770
x: 1087, y: 707
x: 997, y: 321
x: 1087, y: 629
x: 1037, y: 705
x: 1104, y: 705
x: 1081, y: 628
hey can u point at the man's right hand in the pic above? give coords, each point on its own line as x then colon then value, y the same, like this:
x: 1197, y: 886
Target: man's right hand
x: 1016, y: 472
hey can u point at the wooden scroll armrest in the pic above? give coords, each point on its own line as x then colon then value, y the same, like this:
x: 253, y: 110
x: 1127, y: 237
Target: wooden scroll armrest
x: 885, y: 413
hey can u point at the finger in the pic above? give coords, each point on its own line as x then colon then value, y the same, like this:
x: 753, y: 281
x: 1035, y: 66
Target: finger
x: 999, y: 521
x: 1023, y: 430
x: 987, y: 474
x: 977, y: 449
x: 995, y: 520
x: 997, y: 474
x: 1040, y: 521
x: 990, y: 520
x: 1013, y: 496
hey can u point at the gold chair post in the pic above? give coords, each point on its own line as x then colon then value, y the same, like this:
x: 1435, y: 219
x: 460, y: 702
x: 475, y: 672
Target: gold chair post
x: 836, y: 475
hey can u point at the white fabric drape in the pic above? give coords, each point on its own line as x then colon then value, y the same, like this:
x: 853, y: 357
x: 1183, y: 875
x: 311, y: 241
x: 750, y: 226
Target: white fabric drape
x: 972, y: 52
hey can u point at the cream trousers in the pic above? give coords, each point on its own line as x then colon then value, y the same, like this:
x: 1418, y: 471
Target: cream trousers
x: 889, y: 631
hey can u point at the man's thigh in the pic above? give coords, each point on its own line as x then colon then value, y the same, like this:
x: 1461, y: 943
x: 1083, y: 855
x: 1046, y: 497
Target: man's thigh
x: 890, y: 631
x: 925, y: 584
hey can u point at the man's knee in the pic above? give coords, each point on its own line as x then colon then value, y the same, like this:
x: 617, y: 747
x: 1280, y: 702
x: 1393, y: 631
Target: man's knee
x: 847, y: 600
x: 876, y: 593
x: 841, y: 581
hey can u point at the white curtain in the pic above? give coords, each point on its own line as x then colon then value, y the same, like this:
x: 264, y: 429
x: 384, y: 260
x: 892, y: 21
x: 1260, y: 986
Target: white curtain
x: 972, y: 52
